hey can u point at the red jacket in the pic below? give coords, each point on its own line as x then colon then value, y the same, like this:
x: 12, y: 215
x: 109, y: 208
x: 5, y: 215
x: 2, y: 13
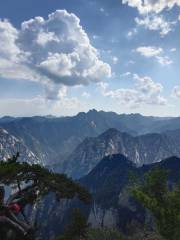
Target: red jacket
x: 15, y: 208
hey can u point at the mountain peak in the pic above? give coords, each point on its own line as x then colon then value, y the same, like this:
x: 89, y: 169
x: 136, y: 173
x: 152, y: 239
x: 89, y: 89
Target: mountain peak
x: 92, y: 111
x: 111, y: 132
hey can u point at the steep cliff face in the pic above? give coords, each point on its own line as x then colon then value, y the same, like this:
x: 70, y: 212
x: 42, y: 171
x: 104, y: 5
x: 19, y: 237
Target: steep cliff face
x: 102, y: 212
x: 112, y: 205
x: 109, y: 182
x: 144, y: 149
x: 10, y: 144
x: 99, y: 217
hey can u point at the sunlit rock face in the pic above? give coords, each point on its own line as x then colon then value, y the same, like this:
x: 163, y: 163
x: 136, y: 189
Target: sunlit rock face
x: 141, y: 150
x: 10, y: 145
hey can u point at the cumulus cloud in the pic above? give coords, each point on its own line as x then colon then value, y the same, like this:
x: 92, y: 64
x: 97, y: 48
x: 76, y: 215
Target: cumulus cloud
x: 8, y: 36
x: 145, y: 92
x: 151, y: 6
x: 150, y: 11
x: 156, y: 23
x: 149, y: 51
x: 55, y: 51
x: 150, y: 90
x: 154, y: 52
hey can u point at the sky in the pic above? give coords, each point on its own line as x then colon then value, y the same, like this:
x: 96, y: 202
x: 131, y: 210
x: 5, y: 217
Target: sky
x: 62, y: 57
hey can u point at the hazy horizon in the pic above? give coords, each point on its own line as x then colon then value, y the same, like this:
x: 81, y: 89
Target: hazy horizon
x: 75, y: 114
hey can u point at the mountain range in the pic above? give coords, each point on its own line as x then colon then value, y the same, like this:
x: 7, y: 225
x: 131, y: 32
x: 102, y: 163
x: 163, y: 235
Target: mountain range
x: 141, y: 150
x: 53, y: 139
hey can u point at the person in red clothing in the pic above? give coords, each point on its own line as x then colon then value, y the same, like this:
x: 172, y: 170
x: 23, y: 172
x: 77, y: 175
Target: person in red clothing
x: 15, y: 208
x: 8, y: 215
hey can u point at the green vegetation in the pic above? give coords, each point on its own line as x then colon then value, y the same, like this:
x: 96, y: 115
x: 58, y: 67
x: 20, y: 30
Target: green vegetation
x: 155, y: 193
x: 44, y: 181
x: 104, y: 234
x: 40, y: 181
x: 78, y: 228
x: 162, y: 200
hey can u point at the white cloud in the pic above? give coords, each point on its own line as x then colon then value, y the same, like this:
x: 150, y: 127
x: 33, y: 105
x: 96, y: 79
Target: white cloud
x: 164, y: 60
x: 150, y: 11
x: 86, y: 94
x: 11, y: 57
x: 145, y: 92
x: 103, y: 86
x: 176, y: 92
x: 126, y: 74
x: 151, y: 6
x: 102, y: 9
x: 8, y: 36
x: 149, y: 51
x: 95, y: 37
x: 154, y: 52
x: 62, y: 93
x: 173, y: 50
x: 55, y: 51
x: 150, y: 90
x: 131, y: 62
x: 130, y: 97
x: 155, y: 23
x: 115, y: 59
x: 132, y: 33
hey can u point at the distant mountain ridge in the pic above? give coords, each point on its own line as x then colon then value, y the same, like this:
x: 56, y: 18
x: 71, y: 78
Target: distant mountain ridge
x: 52, y: 139
x: 143, y: 149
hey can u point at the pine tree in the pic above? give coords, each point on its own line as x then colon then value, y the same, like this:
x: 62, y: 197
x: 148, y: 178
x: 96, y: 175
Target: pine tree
x: 163, y: 203
x: 40, y: 181
x: 77, y: 229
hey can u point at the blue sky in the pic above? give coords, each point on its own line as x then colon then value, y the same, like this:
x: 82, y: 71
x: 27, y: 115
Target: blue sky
x: 61, y: 57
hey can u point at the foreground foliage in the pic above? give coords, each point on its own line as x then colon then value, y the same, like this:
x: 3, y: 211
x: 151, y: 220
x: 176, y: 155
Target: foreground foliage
x: 77, y: 229
x: 41, y: 179
x: 104, y: 234
x: 162, y: 200
x: 25, y: 178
